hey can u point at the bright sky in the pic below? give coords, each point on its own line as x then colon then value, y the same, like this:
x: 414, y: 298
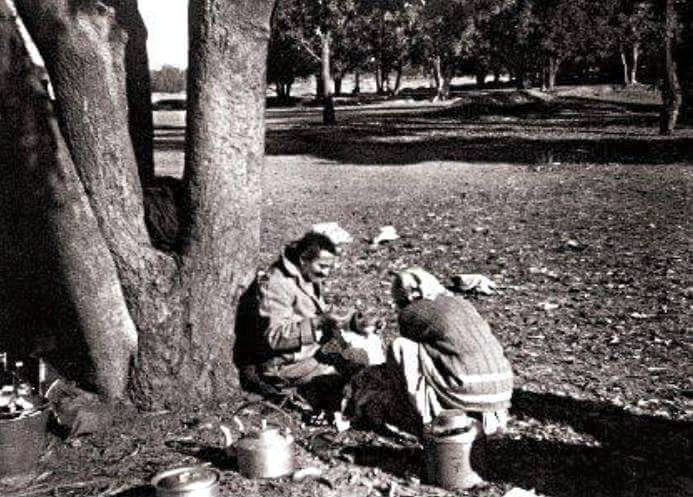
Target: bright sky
x: 167, y: 24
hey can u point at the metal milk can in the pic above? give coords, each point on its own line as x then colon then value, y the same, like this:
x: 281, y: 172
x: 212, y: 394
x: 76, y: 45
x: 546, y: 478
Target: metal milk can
x: 447, y: 448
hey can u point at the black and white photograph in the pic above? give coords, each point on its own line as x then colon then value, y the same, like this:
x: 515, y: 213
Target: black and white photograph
x: 346, y: 248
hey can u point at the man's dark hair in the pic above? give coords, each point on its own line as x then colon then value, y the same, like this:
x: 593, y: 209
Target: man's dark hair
x: 310, y: 245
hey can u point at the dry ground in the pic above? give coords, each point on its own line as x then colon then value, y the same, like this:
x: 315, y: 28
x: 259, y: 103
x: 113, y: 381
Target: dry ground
x: 574, y: 205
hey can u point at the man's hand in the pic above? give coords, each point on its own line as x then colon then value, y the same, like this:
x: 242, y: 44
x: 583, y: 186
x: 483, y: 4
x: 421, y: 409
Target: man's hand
x: 331, y: 323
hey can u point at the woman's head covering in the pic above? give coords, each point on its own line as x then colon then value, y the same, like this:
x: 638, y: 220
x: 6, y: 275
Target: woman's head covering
x: 416, y: 283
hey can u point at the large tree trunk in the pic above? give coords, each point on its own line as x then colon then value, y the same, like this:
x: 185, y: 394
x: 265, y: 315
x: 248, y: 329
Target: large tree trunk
x: 223, y: 172
x: 671, y: 90
x: 138, y: 84
x: 182, y: 305
x: 328, y: 114
x: 84, y: 50
x: 47, y: 197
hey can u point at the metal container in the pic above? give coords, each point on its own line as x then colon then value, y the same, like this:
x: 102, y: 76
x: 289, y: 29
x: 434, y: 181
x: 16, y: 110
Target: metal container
x: 447, y: 448
x: 22, y: 442
x: 265, y: 453
x: 187, y: 481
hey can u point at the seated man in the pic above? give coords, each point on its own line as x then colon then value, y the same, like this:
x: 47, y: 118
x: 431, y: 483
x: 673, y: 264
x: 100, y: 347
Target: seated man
x: 289, y: 321
x: 446, y: 358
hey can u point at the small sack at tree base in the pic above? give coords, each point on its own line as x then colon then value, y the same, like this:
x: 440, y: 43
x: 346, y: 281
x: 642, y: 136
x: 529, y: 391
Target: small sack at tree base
x: 77, y: 411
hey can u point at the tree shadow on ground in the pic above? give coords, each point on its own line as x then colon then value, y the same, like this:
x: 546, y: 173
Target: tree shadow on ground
x: 397, y: 461
x: 349, y: 147
x: 139, y: 491
x: 216, y: 456
x: 634, y: 455
x: 491, y: 127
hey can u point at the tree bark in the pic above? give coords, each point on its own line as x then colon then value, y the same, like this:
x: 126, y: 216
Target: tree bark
x: 671, y: 90
x: 283, y: 90
x: 635, y: 52
x: 182, y: 305
x: 138, y: 85
x: 357, y: 83
x: 337, y: 85
x: 385, y: 81
x: 442, y: 85
x: 328, y: 113
x: 279, y: 86
x: 50, y: 199
x: 378, y: 80
x: 550, y: 71
x: 223, y: 171
x: 84, y: 49
x: 398, y: 80
x: 624, y: 64
x: 630, y: 67
x: 319, y: 87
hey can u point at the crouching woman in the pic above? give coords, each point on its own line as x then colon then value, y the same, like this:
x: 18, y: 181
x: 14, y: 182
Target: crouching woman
x: 446, y: 358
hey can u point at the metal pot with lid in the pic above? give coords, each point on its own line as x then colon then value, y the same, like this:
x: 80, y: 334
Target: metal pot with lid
x: 187, y: 481
x: 447, y: 446
x: 263, y: 453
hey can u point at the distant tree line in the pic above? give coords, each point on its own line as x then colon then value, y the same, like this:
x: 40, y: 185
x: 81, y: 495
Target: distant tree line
x: 168, y: 79
x: 536, y: 42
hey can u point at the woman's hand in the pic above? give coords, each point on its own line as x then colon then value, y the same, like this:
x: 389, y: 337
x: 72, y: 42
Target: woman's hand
x: 365, y: 324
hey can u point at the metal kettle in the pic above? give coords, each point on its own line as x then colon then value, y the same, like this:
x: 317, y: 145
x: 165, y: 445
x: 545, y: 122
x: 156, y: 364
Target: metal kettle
x: 262, y: 453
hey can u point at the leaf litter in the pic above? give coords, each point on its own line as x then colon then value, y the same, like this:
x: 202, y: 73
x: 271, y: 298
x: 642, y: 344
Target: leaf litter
x: 594, y: 314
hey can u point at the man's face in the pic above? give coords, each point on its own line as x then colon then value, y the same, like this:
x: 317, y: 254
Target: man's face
x: 317, y: 269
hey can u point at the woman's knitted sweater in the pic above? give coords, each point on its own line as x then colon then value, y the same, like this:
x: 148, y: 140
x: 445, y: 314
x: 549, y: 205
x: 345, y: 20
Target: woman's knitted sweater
x: 468, y: 368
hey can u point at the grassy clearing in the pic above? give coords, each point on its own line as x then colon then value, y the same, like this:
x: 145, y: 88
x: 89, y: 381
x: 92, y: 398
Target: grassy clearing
x: 570, y: 202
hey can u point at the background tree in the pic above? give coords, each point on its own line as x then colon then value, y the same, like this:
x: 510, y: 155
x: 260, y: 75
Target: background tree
x: 441, y: 40
x: 446, y: 36
x: 671, y: 89
x: 685, y: 61
x: 287, y: 60
x: 634, y: 27
x: 317, y: 25
x: 510, y: 38
x: 560, y: 30
x: 171, y: 311
x: 168, y: 79
x: 388, y: 32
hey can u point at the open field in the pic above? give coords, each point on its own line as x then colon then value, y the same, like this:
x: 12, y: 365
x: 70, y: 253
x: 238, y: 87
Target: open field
x: 575, y: 206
